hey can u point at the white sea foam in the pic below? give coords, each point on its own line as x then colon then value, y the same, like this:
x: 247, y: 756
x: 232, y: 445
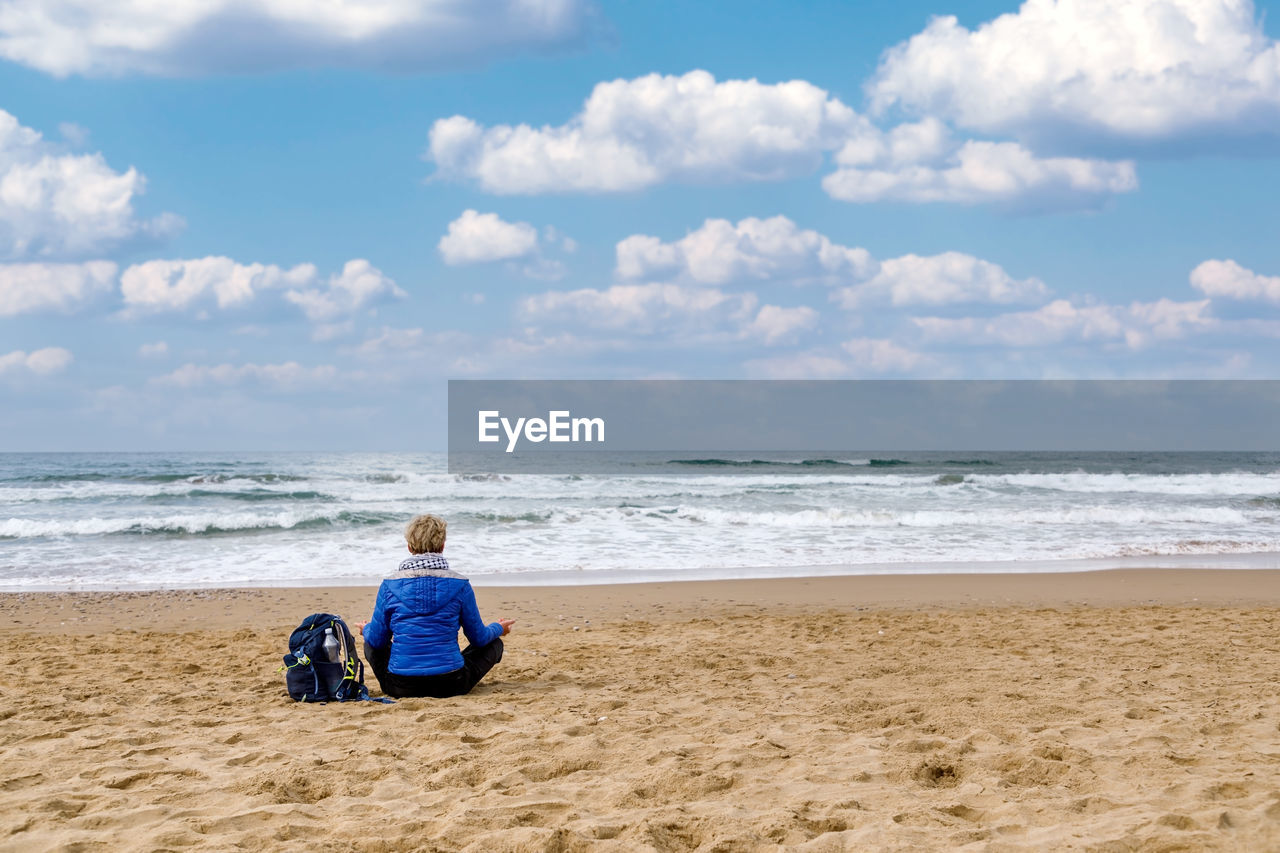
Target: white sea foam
x: 1225, y: 483
x: 197, y: 523
x: 221, y: 519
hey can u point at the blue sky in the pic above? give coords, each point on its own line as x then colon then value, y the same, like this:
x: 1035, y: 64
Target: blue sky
x: 250, y: 229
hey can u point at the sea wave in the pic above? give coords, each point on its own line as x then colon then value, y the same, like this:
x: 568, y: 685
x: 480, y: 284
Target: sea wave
x: 107, y: 517
x: 243, y: 490
x: 140, y: 477
x: 247, y: 495
x: 714, y: 462
x: 195, y: 524
x: 1208, y: 485
x: 628, y: 514
x: 1092, y: 515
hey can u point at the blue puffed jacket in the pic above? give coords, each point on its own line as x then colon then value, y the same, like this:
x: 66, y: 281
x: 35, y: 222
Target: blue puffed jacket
x: 418, y: 612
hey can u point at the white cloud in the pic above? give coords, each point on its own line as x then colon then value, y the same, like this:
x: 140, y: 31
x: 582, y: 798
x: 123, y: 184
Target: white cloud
x: 165, y: 285
x: 1142, y: 69
x: 982, y: 172
x: 1135, y: 325
x: 921, y: 163
x: 636, y: 133
x: 476, y: 238
x: 679, y: 312
x: 774, y: 324
x: 41, y: 362
x: 720, y: 252
x: 25, y: 288
x: 287, y: 376
x: 390, y: 340
x: 359, y: 284
x: 73, y: 133
x: 639, y: 308
x: 1228, y: 280
x: 950, y: 277
x: 53, y: 203
x: 544, y: 269
x: 159, y: 349
x: 183, y: 38
x: 552, y: 236
x: 880, y: 355
x: 776, y: 249
x: 175, y: 285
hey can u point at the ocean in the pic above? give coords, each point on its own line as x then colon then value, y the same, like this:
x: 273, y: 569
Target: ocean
x: 157, y: 520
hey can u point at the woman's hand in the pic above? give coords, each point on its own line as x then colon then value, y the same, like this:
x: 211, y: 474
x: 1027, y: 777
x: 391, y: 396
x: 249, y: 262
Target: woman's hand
x: 506, y: 625
x: 359, y: 628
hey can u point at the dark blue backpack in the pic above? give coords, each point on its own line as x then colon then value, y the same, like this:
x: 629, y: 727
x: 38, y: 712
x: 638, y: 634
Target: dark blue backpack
x: 322, y: 664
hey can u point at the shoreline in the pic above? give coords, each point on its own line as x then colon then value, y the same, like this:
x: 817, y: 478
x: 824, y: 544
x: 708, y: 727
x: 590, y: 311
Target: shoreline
x: 576, y: 578
x: 225, y: 607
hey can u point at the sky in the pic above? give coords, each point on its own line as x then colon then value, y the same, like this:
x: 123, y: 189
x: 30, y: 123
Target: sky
x: 269, y: 225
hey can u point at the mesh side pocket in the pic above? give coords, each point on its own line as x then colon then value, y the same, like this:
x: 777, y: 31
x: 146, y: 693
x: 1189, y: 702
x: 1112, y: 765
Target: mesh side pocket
x: 301, y: 683
x: 330, y: 676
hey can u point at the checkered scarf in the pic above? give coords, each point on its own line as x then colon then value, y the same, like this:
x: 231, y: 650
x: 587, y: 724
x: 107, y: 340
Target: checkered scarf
x: 425, y: 566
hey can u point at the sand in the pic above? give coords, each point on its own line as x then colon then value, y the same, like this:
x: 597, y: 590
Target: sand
x: 1103, y: 711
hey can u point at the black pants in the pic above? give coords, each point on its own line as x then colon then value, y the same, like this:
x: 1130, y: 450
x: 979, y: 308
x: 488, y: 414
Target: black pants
x: 476, y: 662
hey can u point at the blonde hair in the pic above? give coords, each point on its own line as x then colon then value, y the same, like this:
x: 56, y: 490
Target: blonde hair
x: 425, y: 534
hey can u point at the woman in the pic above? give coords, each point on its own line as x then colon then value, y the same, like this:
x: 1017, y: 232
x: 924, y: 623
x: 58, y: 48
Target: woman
x: 411, y: 643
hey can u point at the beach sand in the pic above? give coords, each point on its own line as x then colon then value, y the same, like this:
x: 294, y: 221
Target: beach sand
x: 1110, y: 711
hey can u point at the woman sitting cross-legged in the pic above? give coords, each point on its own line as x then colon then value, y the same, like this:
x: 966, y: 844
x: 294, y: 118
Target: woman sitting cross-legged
x: 411, y: 642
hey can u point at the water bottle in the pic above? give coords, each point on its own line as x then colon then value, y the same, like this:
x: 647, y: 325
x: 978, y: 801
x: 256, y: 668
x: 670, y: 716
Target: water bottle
x: 331, y: 646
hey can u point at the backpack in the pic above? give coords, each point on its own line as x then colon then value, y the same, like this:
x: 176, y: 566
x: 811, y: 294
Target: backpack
x: 322, y: 664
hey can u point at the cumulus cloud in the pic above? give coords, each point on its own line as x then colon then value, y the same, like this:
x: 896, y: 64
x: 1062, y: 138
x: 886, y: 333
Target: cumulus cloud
x: 719, y: 252
x: 680, y: 312
x: 950, y: 277
x: 476, y: 238
x: 96, y: 38
x: 1135, y: 325
x: 982, y: 172
x: 774, y: 324
x: 777, y: 250
x: 1228, y: 280
x: 287, y: 376
x: 1138, y: 69
x: 175, y: 285
x: 159, y: 349
x: 359, y: 284
x: 638, y: 308
x: 171, y: 285
x: 636, y: 133
x: 26, y: 288
x: 41, y: 362
x: 57, y: 204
